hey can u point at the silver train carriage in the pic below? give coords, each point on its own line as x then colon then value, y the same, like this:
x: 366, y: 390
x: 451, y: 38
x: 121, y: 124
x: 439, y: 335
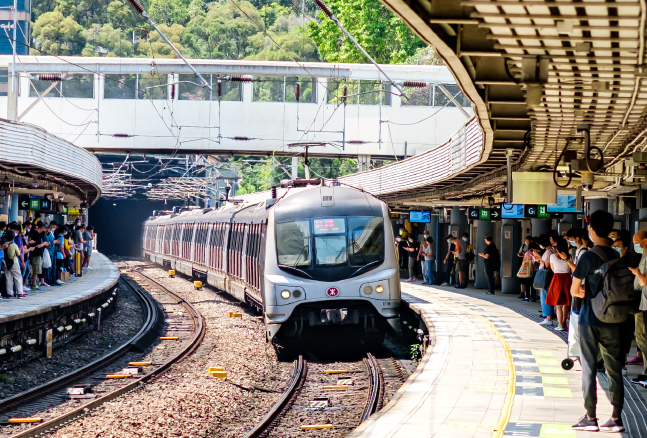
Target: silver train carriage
x: 317, y: 256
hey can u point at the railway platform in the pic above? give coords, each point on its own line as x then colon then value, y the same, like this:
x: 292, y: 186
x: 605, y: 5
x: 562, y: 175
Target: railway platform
x: 491, y: 371
x: 52, y: 316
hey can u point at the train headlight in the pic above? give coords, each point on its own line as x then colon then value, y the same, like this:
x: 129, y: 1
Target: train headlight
x: 379, y: 288
x: 285, y: 294
x: 296, y: 293
x: 368, y: 290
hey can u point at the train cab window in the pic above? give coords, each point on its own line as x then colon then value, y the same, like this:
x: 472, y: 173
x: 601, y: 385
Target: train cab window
x: 366, y: 235
x: 293, y: 243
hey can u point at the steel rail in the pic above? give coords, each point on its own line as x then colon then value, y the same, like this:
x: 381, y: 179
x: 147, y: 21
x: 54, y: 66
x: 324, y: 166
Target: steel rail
x: 84, y: 410
x: 298, y: 375
x: 376, y: 387
x: 53, y: 385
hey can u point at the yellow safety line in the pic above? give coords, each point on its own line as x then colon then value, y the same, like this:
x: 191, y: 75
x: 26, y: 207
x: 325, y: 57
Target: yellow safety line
x: 499, y: 429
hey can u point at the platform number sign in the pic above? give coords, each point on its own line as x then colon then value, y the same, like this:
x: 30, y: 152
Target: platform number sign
x: 474, y: 213
x: 332, y: 292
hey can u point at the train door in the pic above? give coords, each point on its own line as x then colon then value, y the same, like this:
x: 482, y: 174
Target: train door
x: 243, y: 251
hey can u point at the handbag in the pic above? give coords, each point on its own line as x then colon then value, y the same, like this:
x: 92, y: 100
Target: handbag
x: 525, y: 271
x: 47, y: 261
x: 542, y: 279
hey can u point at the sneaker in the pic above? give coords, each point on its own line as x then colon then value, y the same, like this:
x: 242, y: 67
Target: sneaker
x: 44, y: 285
x: 561, y: 328
x: 21, y: 295
x: 624, y: 371
x: 586, y: 424
x: 27, y: 288
x: 546, y: 322
x: 639, y: 378
x: 526, y: 300
x: 488, y: 293
x: 635, y: 361
x: 35, y: 287
x: 60, y: 282
x: 90, y: 268
x: 613, y: 426
x: 445, y: 284
x: 533, y: 300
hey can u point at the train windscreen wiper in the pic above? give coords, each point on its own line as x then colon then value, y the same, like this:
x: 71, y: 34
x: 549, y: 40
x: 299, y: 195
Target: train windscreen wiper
x: 366, y: 268
x: 296, y: 271
x: 300, y: 254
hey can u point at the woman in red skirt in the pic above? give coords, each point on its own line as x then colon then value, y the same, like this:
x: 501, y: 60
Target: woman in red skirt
x: 559, y: 292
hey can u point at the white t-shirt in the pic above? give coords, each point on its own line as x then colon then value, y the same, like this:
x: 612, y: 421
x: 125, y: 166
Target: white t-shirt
x: 559, y: 266
x: 545, y: 257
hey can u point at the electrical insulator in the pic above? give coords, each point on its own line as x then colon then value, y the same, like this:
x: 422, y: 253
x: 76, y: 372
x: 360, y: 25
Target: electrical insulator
x: 322, y: 6
x: 172, y: 91
x: 274, y: 192
x: 297, y: 91
x: 239, y: 79
x: 121, y: 135
x: 414, y: 84
x: 138, y: 7
x: 241, y: 138
x: 343, y: 99
x: 50, y: 78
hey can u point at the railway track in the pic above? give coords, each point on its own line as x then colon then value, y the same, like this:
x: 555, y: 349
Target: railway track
x: 54, y: 392
x: 365, y: 386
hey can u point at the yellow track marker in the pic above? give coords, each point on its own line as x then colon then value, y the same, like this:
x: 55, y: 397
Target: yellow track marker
x: 169, y: 311
x: 169, y: 338
x: 25, y: 420
x: 234, y: 315
x: 140, y: 364
x: 212, y: 369
x: 335, y: 371
x: 315, y: 426
x: 117, y: 376
x: 219, y: 374
x: 334, y: 387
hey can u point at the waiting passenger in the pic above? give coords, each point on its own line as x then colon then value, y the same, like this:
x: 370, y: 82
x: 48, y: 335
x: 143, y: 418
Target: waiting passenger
x: 542, y: 256
x: 88, y: 236
x: 530, y: 292
x: 559, y: 292
x: 492, y: 262
x: 640, y: 243
x: 595, y: 336
x: 412, y: 250
x: 449, y: 261
x: 13, y: 276
x: 429, y: 254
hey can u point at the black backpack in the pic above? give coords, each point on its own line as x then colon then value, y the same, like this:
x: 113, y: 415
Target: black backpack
x: 8, y: 261
x: 616, y: 296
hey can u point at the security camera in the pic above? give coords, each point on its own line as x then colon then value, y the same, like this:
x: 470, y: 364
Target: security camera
x: 586, y: 186
x: 587, y: 181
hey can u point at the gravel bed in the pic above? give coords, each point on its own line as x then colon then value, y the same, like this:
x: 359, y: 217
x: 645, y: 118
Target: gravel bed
x: 345, y: 407
x: 186, y: 401
x: 118, y: 328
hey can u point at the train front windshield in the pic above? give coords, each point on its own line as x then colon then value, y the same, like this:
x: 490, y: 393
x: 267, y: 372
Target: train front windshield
x: 346, y: 245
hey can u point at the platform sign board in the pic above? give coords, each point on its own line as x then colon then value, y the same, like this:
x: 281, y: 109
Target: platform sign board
x: 34, y: 204
x: 45, y: 204
x: 23, y: 202
x: 542, y: 212
x: 484, y: 214
x: 495, y: 213
x: 473, y: 213
x: 512, y: 211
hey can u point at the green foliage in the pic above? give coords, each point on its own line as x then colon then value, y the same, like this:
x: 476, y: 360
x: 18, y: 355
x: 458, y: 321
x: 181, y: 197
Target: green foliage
x: 106, y: 41
x: 425, y: 56
x: 57, y: 34
x: 270, y: 13
x: 157, y: 47
x: 379, y: 32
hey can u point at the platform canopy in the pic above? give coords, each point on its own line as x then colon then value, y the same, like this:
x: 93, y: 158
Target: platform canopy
x: 34, y: 162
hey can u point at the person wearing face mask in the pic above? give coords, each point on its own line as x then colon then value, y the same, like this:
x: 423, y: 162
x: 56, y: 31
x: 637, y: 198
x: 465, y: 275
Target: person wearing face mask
x: 404, y: 233
x: 421, y: 258
x: 614, y: 234
x: 640, y: 242
x: 449, y: 261
x: 559, y: 292
x: 543, y: 258
x: 49, y: 237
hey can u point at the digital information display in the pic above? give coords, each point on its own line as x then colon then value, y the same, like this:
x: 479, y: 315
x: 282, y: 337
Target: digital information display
x: 512, y: 211
x: 420, y: 216
x: 565, y: 204
x: 329, y: 226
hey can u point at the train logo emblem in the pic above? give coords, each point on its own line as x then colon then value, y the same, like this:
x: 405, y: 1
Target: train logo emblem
x: 332, y: 292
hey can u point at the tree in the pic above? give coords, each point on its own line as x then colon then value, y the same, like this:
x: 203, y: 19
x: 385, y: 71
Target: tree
x: 157, y: 47
x: 222, y: 32
x: 169, y: 12
x: 383, y: 35
x: 106, y: 41
x: 425, y: 56
x: 290, y: 42
x: 57, y: 35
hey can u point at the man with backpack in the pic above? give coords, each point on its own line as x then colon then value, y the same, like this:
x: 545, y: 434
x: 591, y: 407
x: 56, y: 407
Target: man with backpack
x: 13, y: 274
x: 607, y: 298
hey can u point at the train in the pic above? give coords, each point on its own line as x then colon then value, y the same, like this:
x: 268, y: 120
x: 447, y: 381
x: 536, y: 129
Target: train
x: 317, y: 256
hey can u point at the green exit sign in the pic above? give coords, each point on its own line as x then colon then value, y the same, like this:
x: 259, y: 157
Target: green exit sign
x: 34, y: 204
x: 542, y: 212
x: 484, y: 214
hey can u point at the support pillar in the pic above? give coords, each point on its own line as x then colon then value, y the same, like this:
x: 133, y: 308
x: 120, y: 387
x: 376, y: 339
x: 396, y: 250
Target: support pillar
x: 13, y: 208
x: 363, y: 163
x: 482, y: 228
x: 539, y: 226
x: 510, y: 243
x: 459, y: 219
x: 295, y: 167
